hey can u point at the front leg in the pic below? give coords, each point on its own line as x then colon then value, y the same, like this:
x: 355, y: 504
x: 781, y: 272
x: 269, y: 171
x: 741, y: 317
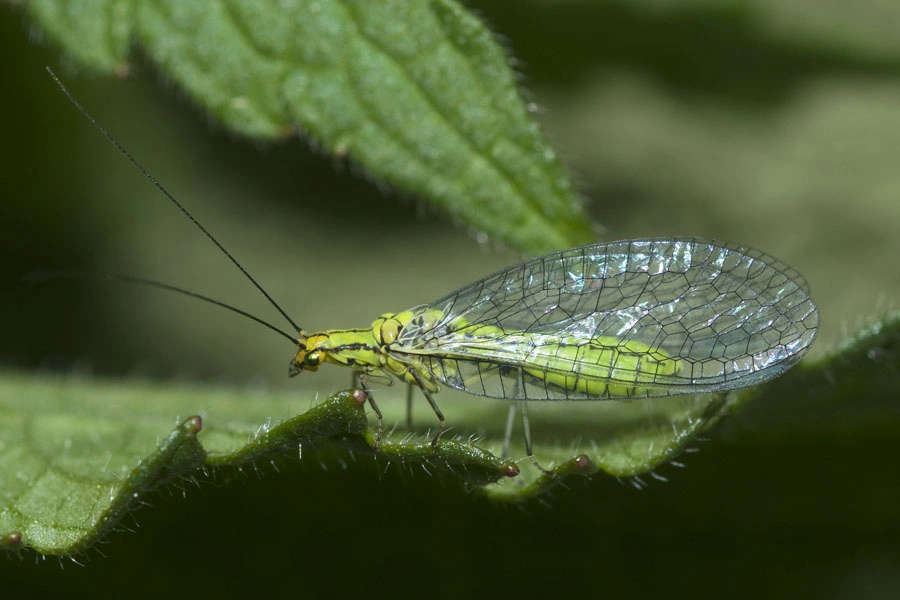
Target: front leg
x: 421, y: 383
x: 362, y: 378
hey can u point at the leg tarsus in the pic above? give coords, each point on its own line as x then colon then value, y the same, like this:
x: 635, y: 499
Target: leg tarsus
x: 409, y: 406
x: 434, y: 406
x: 528, y: 449
x: 510, y: 422
x: 441, y: 422
x: 380, y: 428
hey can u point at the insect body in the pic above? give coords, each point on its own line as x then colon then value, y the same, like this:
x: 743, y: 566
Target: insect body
x: 623, y: 320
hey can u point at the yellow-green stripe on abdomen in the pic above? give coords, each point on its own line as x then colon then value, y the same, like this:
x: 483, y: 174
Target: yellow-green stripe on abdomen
x: 564, y: 368
x: 602, y: 368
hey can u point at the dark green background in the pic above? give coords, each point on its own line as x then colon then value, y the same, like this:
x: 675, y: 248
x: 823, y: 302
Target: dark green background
x: 750, y: 123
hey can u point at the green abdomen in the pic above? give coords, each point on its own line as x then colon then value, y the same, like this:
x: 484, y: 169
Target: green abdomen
x: 603, y: 368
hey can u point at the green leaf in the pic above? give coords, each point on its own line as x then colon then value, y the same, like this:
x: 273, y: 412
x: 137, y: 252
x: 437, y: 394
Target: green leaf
x: 416, y: 91
x: 77, y: 455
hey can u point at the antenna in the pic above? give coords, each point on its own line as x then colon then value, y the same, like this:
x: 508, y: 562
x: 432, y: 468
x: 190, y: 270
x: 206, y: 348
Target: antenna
x: 178, y: 204
x: 45, y: 276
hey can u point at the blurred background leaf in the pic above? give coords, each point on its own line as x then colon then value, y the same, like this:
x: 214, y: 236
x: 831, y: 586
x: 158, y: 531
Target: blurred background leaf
x: 418, y: 93
x: 766, y: 123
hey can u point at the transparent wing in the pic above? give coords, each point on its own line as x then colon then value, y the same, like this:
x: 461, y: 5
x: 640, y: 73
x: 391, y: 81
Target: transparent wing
x: 626, y: 319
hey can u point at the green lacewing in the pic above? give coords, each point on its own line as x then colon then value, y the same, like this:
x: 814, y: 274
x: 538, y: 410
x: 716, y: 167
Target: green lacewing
x: 610, y: 321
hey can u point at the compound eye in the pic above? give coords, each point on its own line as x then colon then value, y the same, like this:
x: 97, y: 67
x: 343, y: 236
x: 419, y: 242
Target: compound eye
x: 390, y: 330
x: 313, y: 359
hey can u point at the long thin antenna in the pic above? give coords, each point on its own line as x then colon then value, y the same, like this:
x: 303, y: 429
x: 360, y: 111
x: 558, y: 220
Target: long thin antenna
x: 168, y: 195
x: 45, y: 276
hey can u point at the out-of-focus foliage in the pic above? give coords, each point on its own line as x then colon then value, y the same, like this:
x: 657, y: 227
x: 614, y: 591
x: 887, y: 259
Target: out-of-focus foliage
x: 416, y: 91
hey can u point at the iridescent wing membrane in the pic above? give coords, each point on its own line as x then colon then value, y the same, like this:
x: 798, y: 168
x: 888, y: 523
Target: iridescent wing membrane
x: 638, y: 318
